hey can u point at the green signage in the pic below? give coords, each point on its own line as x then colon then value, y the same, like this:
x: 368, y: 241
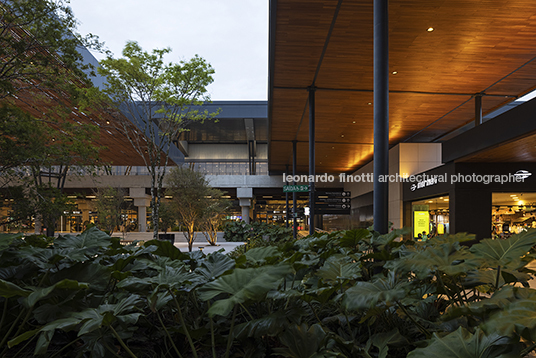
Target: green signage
x: 295, y: 188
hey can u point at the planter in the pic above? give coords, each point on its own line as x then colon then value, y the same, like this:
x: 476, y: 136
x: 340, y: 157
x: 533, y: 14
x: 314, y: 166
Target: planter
x: 167, y: 237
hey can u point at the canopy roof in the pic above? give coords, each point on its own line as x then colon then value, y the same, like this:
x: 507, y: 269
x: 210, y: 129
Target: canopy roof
x: 443, y: 53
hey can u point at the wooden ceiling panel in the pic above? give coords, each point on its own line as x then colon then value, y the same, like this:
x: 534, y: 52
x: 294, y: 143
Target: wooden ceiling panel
x: 307, y: 23
x: 330, y: 157
x: 521, y: 150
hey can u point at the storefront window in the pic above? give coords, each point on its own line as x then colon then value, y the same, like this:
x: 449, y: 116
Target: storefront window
x: 512, y: 213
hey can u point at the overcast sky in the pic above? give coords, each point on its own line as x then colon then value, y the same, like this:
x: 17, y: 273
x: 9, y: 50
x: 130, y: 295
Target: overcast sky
x: 232, y: 35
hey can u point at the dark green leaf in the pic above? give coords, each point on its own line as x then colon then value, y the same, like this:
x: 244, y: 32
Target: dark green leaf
x: 242, y: 285
x: 8, y: 289
x: 386, y: 290
x: 462, y: 344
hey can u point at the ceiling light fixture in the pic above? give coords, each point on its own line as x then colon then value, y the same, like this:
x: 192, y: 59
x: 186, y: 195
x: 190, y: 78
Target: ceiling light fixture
x: 395, y: 72
x: 430, y: 29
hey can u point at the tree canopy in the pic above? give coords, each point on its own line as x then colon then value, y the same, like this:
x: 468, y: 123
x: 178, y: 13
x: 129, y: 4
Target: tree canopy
x: 159, y: 100
x: 41, y: 76
x: 194, y: 200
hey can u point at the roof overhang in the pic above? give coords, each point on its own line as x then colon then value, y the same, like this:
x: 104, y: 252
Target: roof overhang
x: 477, y: 48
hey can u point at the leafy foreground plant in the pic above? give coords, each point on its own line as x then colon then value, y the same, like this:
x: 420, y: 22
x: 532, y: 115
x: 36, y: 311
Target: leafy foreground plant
x: 344, y: 294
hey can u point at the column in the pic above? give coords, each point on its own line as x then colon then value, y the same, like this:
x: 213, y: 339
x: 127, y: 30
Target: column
x: 381, y: 115
x: 245, y: 195
x: 141, y: 201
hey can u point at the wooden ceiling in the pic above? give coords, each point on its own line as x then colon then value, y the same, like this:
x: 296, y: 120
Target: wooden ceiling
x: 477, y: 46
x: 116, y: 148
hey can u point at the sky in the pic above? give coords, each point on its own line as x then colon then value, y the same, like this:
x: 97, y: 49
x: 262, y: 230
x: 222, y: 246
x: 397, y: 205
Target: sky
x: 232, y: 35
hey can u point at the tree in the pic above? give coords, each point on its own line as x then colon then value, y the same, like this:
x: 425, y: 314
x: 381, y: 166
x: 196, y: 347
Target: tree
x: 38, y: 45
x: 166, y: 216
x: 192, y: 199
x: 41, y: 74
x: 213, y: 215
x: 109, y: 208
x: 157, y: 98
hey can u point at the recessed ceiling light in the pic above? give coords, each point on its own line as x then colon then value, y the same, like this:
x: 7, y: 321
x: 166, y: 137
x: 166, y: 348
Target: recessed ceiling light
x: 369, y: 103
x: 354, y: 122
x: 342, y: 135
x: 332, y: 147
x: 394, y: 72
x: 430, y: 29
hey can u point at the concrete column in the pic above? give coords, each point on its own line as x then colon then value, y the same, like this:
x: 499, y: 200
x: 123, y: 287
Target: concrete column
x: 142, y: 201
x: 245, y: 205
x: 245, y: 195
x: 142, y: 217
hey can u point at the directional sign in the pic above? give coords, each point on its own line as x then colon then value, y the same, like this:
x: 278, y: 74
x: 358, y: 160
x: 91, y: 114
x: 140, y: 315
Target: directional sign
x: 333, y: 202
x: 335, y: 194
x: 295, y: 188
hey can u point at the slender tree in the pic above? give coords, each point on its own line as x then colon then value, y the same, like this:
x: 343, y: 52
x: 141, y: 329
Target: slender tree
x: 157, y: 99
x: 109, y: 205
x: 213, y: 215
x: 192, y: 199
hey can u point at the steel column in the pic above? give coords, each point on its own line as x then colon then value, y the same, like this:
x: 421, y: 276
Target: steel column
x: 294, y: 194
x: 286, y: 200
x: 311, y: 160
x: 478, y: 109
x: 381, y: 115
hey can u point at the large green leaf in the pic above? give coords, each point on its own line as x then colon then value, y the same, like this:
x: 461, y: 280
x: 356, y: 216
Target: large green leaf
x: 28, y: 334
x: 518, y: 316
x: 508, y: 252
x: 8, y: 289
x: 384, y: 339
x: 352, y: 238
x: 47, y: 258
x: 167, y: 249
x: 339, y: 268
x: 96, y: 275
x: 173, y: 277
x: 462, y: 344
x: 91, y: 238
x: 448, y: 257
x: 498, y: 301
x: 260, y: 254
x: 242, y: 285
x: 386, y: 290
x: 42, y: 292
x: 214, y: 265
x: 302, y: 341
x: 7, y: 239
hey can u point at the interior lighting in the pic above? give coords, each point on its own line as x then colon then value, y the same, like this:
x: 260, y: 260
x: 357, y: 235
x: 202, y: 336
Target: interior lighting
x: 353, y: 122
x: 342, y: 135
x: 445, y: 199
x: 430, y: 29
x: 394, y: 72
